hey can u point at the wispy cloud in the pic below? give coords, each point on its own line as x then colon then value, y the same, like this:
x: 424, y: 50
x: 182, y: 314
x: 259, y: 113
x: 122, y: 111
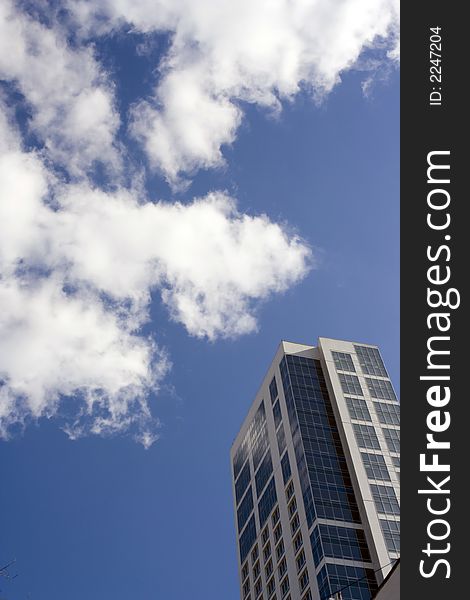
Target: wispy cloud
x: 78, y: 268
x: 228, y: 51
x: 67, y: 92
x: 80, y: 262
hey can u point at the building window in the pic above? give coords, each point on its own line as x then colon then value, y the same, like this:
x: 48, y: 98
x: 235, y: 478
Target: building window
x: 308, y: 596
x: 277, y: 414
x: 396, y: 461
x: 263, y: 473
x: 292, y: 507
x: 298, y: 542
x: 290, y: 491
x: 321, y: 465
x: 242, y: 482
x: 258, y: 588
x: 276, y: 516
x: 246, y: 588
x: 358, y: 409
x: 240, y: 456
x: 267, y: 502
x: 303, y: 580
x: 271, y: 587
x: 381, y: 389
x: 269, y: 568
x: 339, y: 542
x: 280, y: 550
x: 281, y: 439
x: 273, y: 390
x: 256, y: 570
x: 366, y: 436
x: 254, y: 554
x: 260, y: 446
x: 343, y: 362
x: 257, y: 435
x: 245, y: 571
x: 295, y: 523
x: 392, y: 437
x: 277, y: 533
x: 385, y: 499
x: 388, y: 414
x: 282, y: 568
x: 284, y: 586
x: 265, y: 535
x: 360, y: 582
x: 375, y: 466
x: 285, y: 466
x: 247, y: 538
x: 370, y: 361
x: 391, y: 531
x: 267, y: 551
x: 244, y: 511
x: 300, y: 561
x: 350, y: 384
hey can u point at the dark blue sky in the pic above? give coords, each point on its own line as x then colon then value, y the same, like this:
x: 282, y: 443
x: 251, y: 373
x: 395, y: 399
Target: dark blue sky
x: 104, y: 518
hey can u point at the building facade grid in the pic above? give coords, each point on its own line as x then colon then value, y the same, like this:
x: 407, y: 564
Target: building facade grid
x: 315, y: 476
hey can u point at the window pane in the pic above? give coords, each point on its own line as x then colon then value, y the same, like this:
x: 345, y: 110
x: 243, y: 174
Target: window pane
x: 343, y: 362
x: 263, y: 473
x: 379, y: 388
x: 375, y: 466
x: 358, y: 409
x: 392, y: 437
x: 370, y: 361
x: 267, y: 502
x: 247, y: 538
x: 366, y: 436
x: 350, y: 384
x: 388, y: 414
x: 385, y: 499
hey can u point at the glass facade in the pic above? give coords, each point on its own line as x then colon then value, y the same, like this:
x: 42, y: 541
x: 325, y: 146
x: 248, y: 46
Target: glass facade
x: 264, y: 473
x: 244, y: 510
x: 273, y: 390
x: 281, y: 439
x: 277, y: 414
x: 247, y: 538
x: 242, y: 482
x: 324, y: 475
x: 267, y: 502
x: 285, y: 466
x: 355, y: 583
x: 329, y: 541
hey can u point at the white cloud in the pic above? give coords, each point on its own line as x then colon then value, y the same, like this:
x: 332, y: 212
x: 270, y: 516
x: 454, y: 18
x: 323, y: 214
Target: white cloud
x: 78, y: 268
x: 70, y: 98
x: 79, y: 264
x: 239, y: 50
x: 56, y: 344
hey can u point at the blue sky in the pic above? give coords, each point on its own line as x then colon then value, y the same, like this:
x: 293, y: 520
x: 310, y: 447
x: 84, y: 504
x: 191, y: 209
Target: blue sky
x: 100, y: 516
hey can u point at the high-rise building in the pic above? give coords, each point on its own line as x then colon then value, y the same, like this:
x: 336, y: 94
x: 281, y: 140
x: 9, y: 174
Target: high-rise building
x: 315, y: 471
